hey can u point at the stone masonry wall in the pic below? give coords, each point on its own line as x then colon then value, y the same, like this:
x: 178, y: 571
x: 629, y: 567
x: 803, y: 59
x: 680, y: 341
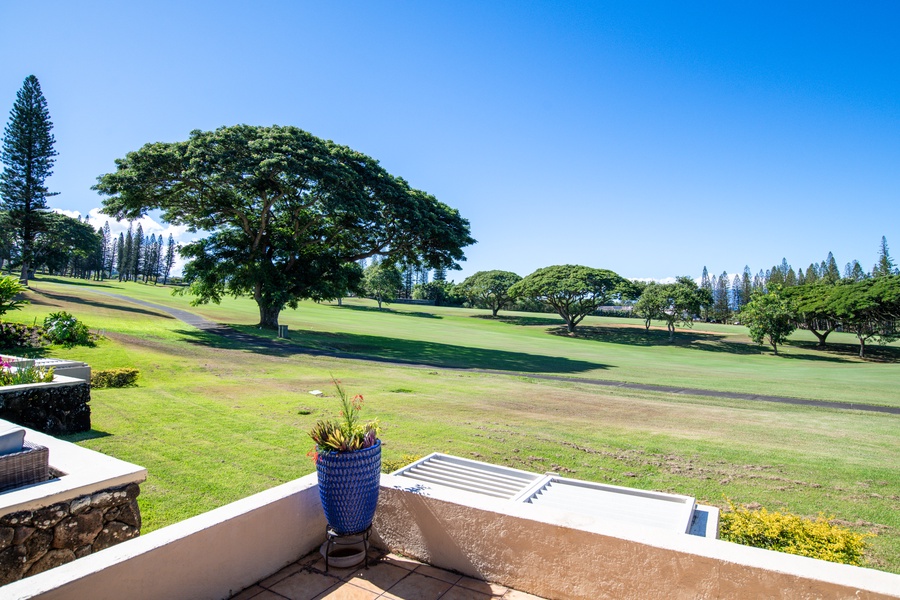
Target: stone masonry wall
x: 33, y: 541
x: 56, y: 410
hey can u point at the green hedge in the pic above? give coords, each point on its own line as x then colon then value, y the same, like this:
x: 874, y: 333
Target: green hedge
x: 786, y: 532
x: 114, y: 378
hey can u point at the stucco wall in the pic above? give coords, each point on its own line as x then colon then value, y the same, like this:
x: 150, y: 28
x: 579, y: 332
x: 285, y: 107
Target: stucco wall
x: 210, y: 556
x: 563, y: 556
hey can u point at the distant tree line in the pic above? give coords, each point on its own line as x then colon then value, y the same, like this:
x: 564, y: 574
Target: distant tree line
x: 820, y: 300
x: 71, y: 247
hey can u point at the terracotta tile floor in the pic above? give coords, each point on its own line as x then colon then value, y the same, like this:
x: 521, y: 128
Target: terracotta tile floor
x: 389, y: 577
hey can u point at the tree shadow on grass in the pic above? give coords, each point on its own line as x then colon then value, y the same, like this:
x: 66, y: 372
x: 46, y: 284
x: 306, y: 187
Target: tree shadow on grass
x: 29, y: 352
x: 522, y: 321
x: 375, y: 309
x: 692, y: 340
x: 66, y: 281
x: 874, y: 352
x: 93, y: 434
x: 385, y: 349
x: 96, y: 304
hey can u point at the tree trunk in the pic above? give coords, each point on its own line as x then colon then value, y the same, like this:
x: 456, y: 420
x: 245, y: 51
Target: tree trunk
x: 268, y: 316
x: 570, y: 325
x: 494, y: 310
x: 821, y: 336
x: 378, y: 298
x: 23, y: 278
x: 340, y: 301
x: 862, y: 347
x: 671, y: 332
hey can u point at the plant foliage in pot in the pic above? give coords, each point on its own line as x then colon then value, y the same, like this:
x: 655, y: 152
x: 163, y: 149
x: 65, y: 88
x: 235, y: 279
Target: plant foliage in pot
x: 348, y: 465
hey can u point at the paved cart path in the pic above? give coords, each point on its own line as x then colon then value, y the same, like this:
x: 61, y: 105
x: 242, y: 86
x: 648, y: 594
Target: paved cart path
x: 286, y: 347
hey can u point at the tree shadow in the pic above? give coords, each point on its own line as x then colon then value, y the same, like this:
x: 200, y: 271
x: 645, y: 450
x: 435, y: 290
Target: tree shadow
x: 522, y: 321
x: 95, y: 303
x: 387, y: 349
x: 692, y: 340
x: 82, y: 282
x: 93, y: 434
x: 375, y: 309
x: 874, y: 352
x: 29, y: 352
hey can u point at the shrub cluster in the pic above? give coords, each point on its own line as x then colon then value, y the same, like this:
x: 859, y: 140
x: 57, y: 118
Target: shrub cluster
x: 63, y: 328
x: 114, y: 378
x: 389, y: 466
x: 786, y: 532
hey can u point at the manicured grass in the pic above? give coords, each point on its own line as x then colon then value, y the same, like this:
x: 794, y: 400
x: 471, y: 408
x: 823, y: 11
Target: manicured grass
x: 709, y: 356
x: 213, y: 422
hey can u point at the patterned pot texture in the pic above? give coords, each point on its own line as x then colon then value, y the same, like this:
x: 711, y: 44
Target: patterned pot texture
x: 348, y: 487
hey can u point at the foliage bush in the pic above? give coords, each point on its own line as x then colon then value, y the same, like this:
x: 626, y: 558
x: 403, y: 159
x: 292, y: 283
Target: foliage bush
x: 786, y: 532
x: 10, y: 292
x: 63, y: 328
x: 18, y: 335
x: 389, y: 466
x: 114, y: 378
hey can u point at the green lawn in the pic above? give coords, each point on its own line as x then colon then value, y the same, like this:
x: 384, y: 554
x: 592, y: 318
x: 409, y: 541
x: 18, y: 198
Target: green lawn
x: 214, y: 423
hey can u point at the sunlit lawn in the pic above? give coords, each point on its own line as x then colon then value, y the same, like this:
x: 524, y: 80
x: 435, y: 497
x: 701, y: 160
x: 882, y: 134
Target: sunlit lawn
x: 214, y: 423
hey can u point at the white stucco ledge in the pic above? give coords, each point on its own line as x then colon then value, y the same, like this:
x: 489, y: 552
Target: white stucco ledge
x: 562, y: 555
x: 81, y: 472
x: 210, y: 556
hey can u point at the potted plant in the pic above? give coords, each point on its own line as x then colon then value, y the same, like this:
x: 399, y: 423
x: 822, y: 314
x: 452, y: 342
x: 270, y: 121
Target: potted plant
x: 348, y: 465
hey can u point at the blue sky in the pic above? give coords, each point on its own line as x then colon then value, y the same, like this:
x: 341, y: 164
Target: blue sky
x: 646, y: 138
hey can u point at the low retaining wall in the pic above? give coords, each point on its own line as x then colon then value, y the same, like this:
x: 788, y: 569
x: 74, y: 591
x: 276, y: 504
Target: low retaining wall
x: 32, y: 541
x: 58, y: 408
x: 89, y: 504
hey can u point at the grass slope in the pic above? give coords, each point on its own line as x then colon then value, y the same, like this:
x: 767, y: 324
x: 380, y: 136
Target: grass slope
x: 213, y: 422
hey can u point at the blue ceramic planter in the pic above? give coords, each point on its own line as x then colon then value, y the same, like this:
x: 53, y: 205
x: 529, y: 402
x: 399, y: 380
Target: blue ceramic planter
x: 348, y: 487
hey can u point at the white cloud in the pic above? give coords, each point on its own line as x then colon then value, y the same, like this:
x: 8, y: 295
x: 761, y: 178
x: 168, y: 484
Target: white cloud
x: 651, y: 279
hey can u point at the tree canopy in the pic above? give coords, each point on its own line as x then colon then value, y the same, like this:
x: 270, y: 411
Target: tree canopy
x: 288, y: 213
x: 770, y: 317
x: 675, y: 303
x: 27, y: 158
x: 382, y: 280
x: 489, y: 288
x: 868, y: 308
x: 573, y: 291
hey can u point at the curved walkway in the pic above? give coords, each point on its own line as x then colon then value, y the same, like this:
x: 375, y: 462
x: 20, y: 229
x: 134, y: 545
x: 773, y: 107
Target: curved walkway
x: 232, y: 334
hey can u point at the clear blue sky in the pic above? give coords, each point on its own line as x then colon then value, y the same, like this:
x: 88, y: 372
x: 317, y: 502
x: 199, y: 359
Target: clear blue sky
x: 647, y: 138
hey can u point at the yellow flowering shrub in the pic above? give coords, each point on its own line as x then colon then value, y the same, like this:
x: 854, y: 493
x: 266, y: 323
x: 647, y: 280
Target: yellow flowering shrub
x: 389, y: 466
x: 786, y: 532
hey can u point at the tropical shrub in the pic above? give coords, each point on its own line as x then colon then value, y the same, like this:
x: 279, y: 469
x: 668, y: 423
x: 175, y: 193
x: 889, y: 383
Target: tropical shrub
x: 114, y: 378
x: 63, y: 328
x: 10, y: 289
x: 346, y: 433
x: 786, y: 532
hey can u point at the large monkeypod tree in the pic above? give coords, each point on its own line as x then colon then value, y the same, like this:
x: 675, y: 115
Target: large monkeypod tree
x: 573, y: 291
x: 287, y: 214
